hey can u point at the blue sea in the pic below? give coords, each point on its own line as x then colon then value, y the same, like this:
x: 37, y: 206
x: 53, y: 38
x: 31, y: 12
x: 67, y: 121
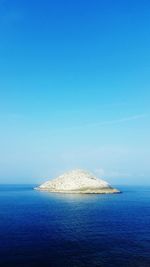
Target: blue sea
x: 49, y: 229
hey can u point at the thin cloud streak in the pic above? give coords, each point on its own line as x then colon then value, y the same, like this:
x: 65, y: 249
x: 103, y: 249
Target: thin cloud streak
x: 17, y: 117
x: 117, y: 121
x: 111, y: 122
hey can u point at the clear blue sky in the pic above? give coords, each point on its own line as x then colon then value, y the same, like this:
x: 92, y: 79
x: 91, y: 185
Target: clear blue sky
x: 74, y: 89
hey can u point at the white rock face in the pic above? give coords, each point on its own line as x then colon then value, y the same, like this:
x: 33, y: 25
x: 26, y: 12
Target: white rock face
x: 77, y: 181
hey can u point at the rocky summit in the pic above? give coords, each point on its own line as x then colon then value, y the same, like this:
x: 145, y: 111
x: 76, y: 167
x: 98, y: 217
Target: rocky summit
x: 78, y: 181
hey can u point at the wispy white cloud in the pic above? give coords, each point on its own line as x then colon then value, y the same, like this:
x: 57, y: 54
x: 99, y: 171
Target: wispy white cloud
x: 107, y: 122
x: 117, y: 121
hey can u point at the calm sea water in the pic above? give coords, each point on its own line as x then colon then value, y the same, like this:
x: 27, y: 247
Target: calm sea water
x: 47, y: 229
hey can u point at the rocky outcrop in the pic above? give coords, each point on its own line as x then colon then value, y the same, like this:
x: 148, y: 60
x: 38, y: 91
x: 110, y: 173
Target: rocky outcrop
x: 77, y: 181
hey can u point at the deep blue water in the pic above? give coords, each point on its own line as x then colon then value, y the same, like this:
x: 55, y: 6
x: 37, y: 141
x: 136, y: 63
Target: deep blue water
x: 47, y: 229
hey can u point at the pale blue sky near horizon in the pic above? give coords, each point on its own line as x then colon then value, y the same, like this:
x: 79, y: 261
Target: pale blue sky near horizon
x: 75, y: 89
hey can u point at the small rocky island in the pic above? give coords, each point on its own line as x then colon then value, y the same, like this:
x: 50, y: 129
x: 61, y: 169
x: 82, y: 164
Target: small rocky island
x: 78, y: 181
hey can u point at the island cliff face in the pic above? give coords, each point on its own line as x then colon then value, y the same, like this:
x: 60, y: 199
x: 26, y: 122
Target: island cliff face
x: 77, y: 181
